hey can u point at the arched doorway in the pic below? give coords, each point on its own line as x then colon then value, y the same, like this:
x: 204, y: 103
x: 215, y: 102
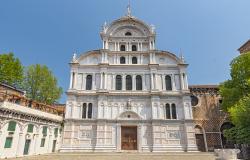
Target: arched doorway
x: 226, y: 143
x: 200, y: 141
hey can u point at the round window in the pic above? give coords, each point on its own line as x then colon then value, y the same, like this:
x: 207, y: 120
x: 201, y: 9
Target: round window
x: 194, y: 100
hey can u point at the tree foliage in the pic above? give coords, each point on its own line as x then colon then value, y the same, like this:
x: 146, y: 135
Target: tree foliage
x: 236, y: 99
x: 41, y: 85
x: 11, y: 69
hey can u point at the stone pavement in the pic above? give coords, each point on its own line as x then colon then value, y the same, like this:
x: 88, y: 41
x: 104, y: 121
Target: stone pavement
x: 121, y: 156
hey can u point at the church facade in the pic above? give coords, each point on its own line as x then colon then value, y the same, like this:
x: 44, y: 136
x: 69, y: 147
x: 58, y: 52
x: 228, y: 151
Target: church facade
x: 128, y: 95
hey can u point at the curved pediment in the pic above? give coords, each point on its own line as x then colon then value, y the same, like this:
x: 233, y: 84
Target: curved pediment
x: 89, y: 58
x: 136, y: 27
x: 164, y: 57
x: 129, y: 115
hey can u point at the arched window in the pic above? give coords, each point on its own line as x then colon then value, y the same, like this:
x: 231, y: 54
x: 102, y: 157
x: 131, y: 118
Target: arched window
x: 173, y: 107
x: 89, y: 82
x: 134, y: 48
x: 122, y: 48
x: 122, y: 60
x: 167, y: 107
x: 168, y: 83
x: 84, y: 110
x: 128, y: 34
x: 90, y: 110
x: 128, y: 82
x: 134, y: 60
x: 138, y: 82
x: 118, y: 82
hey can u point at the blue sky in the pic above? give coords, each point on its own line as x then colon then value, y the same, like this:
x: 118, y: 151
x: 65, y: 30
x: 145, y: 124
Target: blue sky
x: 48, y: 31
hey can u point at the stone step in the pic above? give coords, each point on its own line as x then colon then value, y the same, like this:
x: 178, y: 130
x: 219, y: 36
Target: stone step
x: 123, y: 156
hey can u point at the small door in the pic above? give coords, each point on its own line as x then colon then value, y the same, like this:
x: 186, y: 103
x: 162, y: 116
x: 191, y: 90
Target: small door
x: 54, y: 146
x: 129, y: 138
x: 200, y: 142
x: 26, y: 147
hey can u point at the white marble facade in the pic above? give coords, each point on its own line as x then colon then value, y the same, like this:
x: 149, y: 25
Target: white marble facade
x: 128, y: 83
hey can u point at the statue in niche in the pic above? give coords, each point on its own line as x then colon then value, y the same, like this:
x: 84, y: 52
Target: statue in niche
x: 129, y: 105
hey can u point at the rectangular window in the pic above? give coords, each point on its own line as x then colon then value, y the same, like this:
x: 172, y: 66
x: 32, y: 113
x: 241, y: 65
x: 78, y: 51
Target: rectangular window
x: 30, y: 128
x: 12, y: 126
x: 45, y: 130
x: 56, y: 132
x: 8, y: 142
x: 42, y: 142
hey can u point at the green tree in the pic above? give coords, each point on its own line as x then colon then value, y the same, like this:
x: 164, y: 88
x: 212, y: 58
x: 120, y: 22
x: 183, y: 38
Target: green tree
x: 236, y: 99
x: 240, y: 116
x: 11, y: 70
x: 41, y: 85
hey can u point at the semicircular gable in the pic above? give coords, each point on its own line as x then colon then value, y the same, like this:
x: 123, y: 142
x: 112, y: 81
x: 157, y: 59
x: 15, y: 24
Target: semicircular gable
x: 121, y: 31
x: 164, y: 57
x: 132, y: 23
x: 89, y: 58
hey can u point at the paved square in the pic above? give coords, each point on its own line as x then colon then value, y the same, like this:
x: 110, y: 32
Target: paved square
x: 121, y: 156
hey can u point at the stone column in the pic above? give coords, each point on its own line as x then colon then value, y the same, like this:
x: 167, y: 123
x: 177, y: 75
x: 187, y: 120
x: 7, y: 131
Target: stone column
x: 141, y: 58
x: 123, y: 82
x: 117, y: 59
x: 105, y: 81
x: 75, y: 80
x: 49, y: 150
x: 139, y: 138
x: 186, y: 81
x: 71, y: 80
x: 173, y: 82
x: 36, y: 136
x: 143, y: 82
x: 93, y: 82
x: 156, y: 81
x: 102, y: 59
x: 133, y: 82
x: 115, y: 46
x: 141, y: 47
x: 113, y: 82
x: 107, y: 44
x: 182, y: 81
x: 20, y: 144
x: 118, y: 137
x: 101, y: 81
x: 163, y: 82
x: 153, y: 58
x: 152, y: 81
x: 84, y: 82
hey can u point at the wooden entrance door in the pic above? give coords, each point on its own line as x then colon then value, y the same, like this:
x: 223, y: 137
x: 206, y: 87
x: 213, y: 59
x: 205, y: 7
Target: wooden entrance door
x: 200, y: 142
x: 129, y: 138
